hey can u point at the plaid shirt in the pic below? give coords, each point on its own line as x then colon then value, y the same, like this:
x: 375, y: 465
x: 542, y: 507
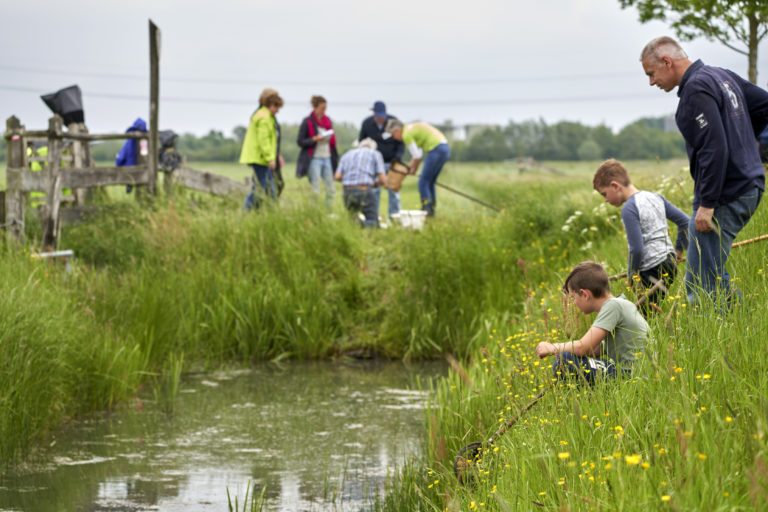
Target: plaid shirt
x: 361, y: 166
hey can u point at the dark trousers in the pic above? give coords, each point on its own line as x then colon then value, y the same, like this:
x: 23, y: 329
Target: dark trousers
x: 586, y: 369
x: 664, y: 272
x: 360, y: 200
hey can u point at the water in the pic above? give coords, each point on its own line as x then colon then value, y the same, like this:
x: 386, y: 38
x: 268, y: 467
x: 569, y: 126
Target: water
x: 318, y: 436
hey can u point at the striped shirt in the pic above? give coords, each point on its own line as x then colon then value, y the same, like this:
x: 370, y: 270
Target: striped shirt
x: 361, y: 166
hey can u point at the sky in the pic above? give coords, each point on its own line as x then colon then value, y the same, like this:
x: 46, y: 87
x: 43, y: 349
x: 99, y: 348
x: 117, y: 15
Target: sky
x: 485, y: 61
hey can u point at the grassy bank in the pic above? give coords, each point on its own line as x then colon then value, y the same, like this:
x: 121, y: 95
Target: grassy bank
x: 687, y: 433
x: 193, y: 279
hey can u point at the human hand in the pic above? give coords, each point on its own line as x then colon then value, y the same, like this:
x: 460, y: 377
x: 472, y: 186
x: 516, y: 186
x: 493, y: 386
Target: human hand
x: 678, y: 255
x: 703, y: 219
x: 337, y: 176
x: 272, y: 165
x: 545, y: 348
x: 282, y: 161
x: 317, y: 138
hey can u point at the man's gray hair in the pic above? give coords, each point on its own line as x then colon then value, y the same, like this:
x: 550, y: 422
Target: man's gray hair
x: 663, y: 46
x: 367, y: 143
x: 393, y: 124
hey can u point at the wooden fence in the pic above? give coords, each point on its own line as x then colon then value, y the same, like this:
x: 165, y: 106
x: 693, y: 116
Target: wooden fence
x: 69, y: 166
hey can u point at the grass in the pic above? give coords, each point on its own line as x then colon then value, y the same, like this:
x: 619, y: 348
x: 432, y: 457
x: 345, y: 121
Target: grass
x: 688, y: 432
x: 193, y: 282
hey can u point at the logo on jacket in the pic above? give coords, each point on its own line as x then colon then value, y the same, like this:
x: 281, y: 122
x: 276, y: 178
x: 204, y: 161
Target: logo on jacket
x: 731, y: 95
x: 702, y: 120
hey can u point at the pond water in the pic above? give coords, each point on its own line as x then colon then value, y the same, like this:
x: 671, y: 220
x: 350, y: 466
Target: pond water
x: 319, y: 436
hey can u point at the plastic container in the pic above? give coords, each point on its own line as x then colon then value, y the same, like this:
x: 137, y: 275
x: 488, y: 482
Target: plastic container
x: 411, y: 219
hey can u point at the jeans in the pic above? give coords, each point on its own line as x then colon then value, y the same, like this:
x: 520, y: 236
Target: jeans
x: 362, y: 200
x: 708, y: 252
x: 264, y: 177
x: 433, y: 164
x: 567, y: 366
x: 394, y: 199
x: 321, y: 169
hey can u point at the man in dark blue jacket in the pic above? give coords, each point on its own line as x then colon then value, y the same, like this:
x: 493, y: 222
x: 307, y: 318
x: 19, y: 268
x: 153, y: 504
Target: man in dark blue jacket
x: 390, y: 148
x: 720, y: 116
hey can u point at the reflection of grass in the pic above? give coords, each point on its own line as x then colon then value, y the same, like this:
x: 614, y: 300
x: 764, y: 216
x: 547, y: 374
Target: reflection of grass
x: 251, y: 502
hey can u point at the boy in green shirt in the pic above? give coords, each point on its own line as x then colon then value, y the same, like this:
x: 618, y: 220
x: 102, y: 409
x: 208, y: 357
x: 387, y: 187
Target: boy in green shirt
x: 617, y: 335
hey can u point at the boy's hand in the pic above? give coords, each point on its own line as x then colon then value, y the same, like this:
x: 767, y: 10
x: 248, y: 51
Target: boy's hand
x: 545, y: 349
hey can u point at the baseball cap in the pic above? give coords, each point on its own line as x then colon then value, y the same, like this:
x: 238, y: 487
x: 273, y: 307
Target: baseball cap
x: 379, y: 109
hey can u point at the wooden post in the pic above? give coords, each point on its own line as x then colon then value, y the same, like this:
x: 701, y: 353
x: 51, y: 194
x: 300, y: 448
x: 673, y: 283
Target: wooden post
x: 51, y: 226
x: 79, y: 158
x: 154, y: 97
x: 14, y: 197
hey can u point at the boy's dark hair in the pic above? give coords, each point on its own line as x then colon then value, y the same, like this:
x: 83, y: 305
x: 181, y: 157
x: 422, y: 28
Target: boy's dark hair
x: 610, y: 170
x: 317, y: 100
x: 588, y: 275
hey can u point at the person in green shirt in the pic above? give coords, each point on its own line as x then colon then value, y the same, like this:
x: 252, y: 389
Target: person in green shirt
x: 420, y: 139
x: 261, y: 148
x: 614, y: 341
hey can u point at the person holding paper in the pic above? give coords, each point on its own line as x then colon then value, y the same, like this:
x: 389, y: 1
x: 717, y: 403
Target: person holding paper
x: 319, y: 157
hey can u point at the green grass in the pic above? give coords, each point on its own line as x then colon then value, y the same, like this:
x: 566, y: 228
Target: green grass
x: 687, y: 433
x: 194, y: 283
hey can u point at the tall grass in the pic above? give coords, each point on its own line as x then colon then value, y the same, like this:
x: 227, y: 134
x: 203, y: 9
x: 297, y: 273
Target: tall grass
x: 195, y: 276
x: 687, y: 432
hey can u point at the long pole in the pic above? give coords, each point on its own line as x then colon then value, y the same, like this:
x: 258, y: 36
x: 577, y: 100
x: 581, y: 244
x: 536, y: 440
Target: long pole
x: 749, y: 241
x: 154, y: 97
x: 457, y: 192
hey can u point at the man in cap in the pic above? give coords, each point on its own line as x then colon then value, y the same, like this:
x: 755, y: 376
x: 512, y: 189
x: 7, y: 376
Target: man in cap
x: 360, y: 170
x: 720, y: 115
x: 391, y: 149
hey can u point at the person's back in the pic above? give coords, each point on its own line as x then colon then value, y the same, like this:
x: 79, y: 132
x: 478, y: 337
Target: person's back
x: 627, y: 330
x: 423, y: 135
x: 651, y: 255
x: 260, y: 142
x: 741, y: 159
x: 615, y: 339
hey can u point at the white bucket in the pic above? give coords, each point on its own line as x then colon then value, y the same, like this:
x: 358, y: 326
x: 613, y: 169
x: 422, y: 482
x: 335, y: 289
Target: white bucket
x: 411, y: 219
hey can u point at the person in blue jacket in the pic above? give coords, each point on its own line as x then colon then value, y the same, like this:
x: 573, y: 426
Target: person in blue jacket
x: 129, y: 153
x: 720, y: 116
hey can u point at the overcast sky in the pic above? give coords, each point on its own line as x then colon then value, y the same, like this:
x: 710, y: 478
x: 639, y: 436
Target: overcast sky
x: 484, y: 61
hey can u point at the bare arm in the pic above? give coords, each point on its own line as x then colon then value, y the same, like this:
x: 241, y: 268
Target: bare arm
x: 588, y: 345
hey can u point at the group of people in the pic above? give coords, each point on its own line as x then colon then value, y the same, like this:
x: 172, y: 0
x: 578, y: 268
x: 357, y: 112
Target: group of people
x: 720, y: 116
x: 362, y: 170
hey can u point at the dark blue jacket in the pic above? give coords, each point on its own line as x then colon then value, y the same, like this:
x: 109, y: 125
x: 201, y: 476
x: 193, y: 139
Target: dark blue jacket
x: 389, y: 148
x: 129, y: 153
x: 720, y: 115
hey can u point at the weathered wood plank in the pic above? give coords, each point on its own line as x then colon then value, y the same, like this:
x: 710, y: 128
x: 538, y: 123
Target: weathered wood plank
x: 51, y: 226
x: 14, y: 196
x: 82, y: 178
x: 207, y: 182
x: 84, y: 137
x: 154, y: 105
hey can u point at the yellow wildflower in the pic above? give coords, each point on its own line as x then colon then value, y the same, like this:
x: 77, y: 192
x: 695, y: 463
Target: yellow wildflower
x: 633, y: 460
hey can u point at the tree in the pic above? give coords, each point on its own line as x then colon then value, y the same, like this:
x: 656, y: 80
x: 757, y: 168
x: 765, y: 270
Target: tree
x: 743, y: 21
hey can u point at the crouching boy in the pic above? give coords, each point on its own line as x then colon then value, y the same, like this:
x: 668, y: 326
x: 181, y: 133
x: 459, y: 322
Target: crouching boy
x: 617, y: 335
x: 644, y: 214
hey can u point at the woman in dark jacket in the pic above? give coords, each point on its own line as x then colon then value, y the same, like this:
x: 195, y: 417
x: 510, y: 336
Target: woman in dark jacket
x: 319, y: 157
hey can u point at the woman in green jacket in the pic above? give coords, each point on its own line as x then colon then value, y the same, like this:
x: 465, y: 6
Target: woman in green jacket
x: 261, y: 147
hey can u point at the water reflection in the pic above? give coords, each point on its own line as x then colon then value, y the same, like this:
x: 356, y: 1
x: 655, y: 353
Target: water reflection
x: 318, y: 436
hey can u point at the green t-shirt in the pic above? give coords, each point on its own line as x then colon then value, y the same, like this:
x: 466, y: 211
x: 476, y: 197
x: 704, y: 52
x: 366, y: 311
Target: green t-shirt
x: 425, y: 136
x: 627, y: 330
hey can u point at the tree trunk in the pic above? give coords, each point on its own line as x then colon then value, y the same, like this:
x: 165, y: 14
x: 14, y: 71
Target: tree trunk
x: 753, y: 27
